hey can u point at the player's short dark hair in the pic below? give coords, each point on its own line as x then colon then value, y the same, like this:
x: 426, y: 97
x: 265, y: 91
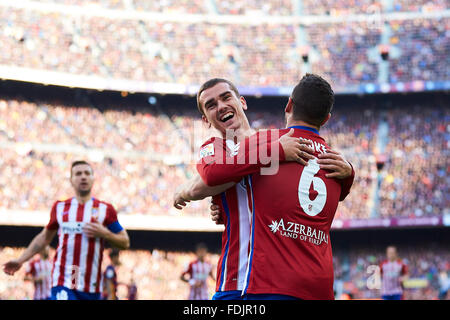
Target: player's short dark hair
x: 313, y: 99
x: 77, y: 163
x: 211, y: 83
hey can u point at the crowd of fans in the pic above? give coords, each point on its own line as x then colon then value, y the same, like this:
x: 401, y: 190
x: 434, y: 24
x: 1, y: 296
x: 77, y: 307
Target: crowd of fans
x: 188, y: 53
x: 417, y: 166
x: 157, y: 273
x: 410, y: 36
x: 271, y: 7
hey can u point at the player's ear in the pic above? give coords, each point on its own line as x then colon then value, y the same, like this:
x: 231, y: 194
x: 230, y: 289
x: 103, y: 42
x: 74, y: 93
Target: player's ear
x: 289, y: 106
x: 326, y: 119
x: 243, y: 102
x: 206, y: 122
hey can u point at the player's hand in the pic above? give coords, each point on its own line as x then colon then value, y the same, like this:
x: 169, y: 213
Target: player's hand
x: 296, y: 149
x: 216, y: 215
x: 178, y: 200
x: 95, y: 230
x: 11, y: 267
x: 336, y: 163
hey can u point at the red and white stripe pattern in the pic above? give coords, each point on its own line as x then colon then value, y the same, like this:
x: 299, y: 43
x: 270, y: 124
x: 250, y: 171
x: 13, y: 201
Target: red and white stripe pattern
x: 41, y: 269
x: 78, y: 259
x: 391, y: 272
x: 199, y: 272
x: 232, y: 265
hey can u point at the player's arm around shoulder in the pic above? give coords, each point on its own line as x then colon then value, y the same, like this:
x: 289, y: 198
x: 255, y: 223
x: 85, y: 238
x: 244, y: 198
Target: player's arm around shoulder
x: 339, y: 168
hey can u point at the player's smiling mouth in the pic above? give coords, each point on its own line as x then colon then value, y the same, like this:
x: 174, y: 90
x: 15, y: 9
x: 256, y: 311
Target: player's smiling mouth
x: 227, y: 116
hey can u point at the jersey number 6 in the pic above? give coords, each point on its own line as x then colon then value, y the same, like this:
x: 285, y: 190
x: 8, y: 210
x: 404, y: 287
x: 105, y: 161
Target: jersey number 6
x: 307, y: 179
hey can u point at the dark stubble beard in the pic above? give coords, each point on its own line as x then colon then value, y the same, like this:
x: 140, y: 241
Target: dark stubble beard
x: 84, y: 193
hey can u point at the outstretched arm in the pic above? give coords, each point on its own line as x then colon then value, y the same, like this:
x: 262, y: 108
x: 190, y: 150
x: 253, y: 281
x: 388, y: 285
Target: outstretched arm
x: 39, y: 242
x: 197, y: 189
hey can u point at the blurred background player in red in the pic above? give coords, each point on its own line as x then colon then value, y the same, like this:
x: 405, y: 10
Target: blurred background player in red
x: 198, y: 270
x: 132, y: 290
x: 39, y: 271
x: 110, y: 276
x: 393, y: 273
x: 83, y: 223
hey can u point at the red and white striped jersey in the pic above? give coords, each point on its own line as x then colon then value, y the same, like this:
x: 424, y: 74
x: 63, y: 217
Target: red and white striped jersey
x: 78, y: 259
x: 198, y: 272
x: 236, y: 207
x: 391, y: 271
x: 40, y: 268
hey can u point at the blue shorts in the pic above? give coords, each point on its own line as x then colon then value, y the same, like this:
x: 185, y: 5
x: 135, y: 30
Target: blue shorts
x: 269, y: 296
x: 64, y: 293
x: 228, y: 295
x: 391, y: 297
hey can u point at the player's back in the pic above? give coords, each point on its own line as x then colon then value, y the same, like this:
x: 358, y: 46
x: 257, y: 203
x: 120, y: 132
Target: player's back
x: 290, y: 243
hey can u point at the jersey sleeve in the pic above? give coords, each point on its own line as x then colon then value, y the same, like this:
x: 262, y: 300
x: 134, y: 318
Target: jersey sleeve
x: 111, y: 221
x: 217, y: 167
x: 346, y: 184
x: 53, y: 223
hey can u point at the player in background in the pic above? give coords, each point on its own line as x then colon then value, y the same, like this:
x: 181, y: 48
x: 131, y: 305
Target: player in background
x: 292, y: 210
x: 222, y: 108
x: 393, y: 273
x: 39, y: 271
x: 110, y: 276
x: 132, y: 290
x: 83, y: 223
x: 198, y: 271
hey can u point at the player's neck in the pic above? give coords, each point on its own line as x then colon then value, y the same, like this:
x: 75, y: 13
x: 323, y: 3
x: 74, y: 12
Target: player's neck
x: 292, y: 123
x: 239, y: 134
x: 82, y: 199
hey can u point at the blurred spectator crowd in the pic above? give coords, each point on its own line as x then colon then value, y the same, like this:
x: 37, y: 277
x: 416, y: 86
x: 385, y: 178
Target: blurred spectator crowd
x: 251, y: 55
x: 270, y: 7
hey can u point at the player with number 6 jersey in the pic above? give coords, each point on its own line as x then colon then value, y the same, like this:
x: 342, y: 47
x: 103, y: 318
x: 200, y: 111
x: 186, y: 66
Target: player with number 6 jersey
x: 292, y: 210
